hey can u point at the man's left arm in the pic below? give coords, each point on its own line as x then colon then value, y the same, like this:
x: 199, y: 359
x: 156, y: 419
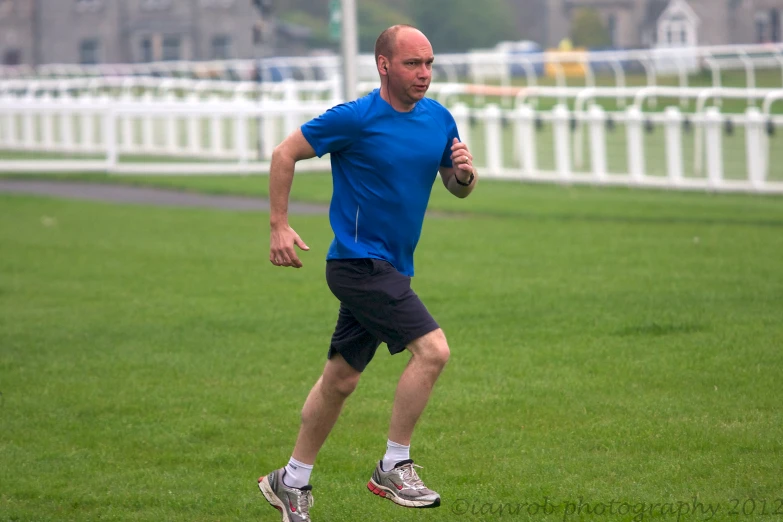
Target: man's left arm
x: 461, y: 177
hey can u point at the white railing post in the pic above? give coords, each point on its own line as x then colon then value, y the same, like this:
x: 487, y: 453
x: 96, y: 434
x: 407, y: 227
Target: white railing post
x: 171, y: 126
x: 291, y: 99
x: 493, y: 140
x: 526, y: 136
x: 11, y: 137
x: 47, y: 122
x: 241, y: 122
x: 28, y: 129
x: 754, y: 129
x: 127, y: 121
x: 714, y: 148
x: 635, y: 143
x: 87, y: 121
x: 269, y: 125
x: 148, y: 126
x: 560, y: 122
x: 461, y: 114
x: 216, y: 128
x: 105, y: 102
x: 597, y: 117
x: 335, y: 90
x: 194, y: 127
x: 15, y: 126
x: 109, y: 117
x: 3, y: 124
x: 674, y: 163
x: 66, y: 122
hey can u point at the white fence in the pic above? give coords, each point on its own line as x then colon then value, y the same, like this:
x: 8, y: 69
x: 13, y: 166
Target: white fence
x: 477, y: 67
x: 589, y: 135
x: 235, y: 131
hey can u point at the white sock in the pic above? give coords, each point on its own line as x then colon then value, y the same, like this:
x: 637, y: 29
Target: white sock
x: 395, y: 453
x: 297, y: 474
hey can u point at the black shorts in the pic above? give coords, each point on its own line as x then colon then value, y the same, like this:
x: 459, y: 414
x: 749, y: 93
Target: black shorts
x: 377, y: 305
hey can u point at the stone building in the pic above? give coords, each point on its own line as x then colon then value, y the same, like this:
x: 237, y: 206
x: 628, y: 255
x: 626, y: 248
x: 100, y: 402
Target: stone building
x: 38, y: 32
x: 18, y: 44
x: 635, y: 23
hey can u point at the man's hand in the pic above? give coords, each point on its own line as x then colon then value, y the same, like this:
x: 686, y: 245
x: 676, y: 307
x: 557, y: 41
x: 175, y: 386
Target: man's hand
x: 462, y: 160
x: 460, y: 179
x: 281, y: 250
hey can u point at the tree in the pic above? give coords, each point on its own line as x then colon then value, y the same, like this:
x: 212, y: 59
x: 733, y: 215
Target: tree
x: 319, y: 31
x: 588, y: 29
x: 460, y: 25
x: 374, y: 17
x: 451, y: 25
x: 316, y: 8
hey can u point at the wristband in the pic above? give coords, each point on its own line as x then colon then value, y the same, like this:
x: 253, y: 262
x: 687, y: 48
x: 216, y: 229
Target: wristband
x: 470, y: 180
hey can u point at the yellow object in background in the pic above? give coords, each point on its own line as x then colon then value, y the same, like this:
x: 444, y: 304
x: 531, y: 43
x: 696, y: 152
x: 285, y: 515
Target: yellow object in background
x: 571, y: 60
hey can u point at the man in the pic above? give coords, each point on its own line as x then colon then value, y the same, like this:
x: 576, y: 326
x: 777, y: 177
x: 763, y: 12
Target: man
x: 385, y: 151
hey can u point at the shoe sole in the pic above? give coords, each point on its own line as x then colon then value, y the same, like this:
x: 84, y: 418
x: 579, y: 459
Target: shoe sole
x: 274, y: 501
x: 385, y: 492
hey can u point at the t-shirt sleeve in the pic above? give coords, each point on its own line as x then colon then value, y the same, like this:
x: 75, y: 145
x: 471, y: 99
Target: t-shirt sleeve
x: 451, y: 133
x: 333, y: 130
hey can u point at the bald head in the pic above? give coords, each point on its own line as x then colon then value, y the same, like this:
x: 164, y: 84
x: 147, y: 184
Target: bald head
x: 403, y: 56
x: 386, y: 44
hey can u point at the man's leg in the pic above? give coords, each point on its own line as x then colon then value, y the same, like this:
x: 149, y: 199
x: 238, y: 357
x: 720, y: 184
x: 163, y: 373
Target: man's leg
x: 323, y: 406
x: 395, y: 477
x: 429, y: 356
x: 287, y: 489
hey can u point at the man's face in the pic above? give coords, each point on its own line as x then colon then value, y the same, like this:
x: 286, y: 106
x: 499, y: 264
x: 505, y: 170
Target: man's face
x: 410, y: 69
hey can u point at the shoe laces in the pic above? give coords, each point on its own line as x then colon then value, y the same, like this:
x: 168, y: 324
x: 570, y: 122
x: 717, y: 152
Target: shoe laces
x: 304, y: 501
x: 409, y: 476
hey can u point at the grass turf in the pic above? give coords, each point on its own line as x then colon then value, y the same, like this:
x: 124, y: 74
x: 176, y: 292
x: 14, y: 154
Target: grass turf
x: 608, y: 345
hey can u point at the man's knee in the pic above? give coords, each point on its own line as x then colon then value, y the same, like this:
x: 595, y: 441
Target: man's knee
x: 431, y: 349
x: 343, y: 386
x: 339, y: 378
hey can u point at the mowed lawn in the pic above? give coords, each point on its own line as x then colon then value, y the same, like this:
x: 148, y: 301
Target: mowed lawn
x: 616, y: 355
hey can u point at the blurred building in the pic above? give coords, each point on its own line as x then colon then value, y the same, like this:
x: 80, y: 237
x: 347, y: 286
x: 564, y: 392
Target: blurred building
x: 131, y: 31
x: 650, y: 23
x: 17, y: 42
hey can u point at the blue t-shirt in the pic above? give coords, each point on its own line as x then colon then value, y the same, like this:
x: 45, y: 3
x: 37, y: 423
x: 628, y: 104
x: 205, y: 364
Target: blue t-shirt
x: 384, y: 163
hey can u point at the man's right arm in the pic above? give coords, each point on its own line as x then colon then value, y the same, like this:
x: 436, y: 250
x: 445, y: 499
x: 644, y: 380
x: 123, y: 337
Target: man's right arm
x: 281, y: 177
x: 281, y: 174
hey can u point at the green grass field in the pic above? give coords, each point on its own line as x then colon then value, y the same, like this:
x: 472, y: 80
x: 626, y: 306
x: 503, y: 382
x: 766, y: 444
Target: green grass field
x: 618, y: 348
